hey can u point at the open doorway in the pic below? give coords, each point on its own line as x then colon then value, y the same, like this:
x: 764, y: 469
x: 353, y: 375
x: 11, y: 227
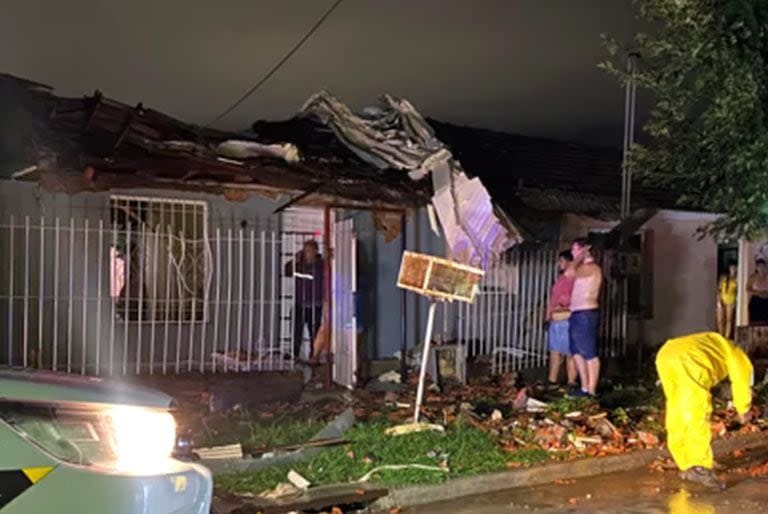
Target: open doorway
x: 727, y: 288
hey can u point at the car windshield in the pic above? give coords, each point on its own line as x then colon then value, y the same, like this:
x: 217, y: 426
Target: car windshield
x: 77, y: 436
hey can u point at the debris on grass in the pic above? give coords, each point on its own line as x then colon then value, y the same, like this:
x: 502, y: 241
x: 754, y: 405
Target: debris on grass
x: 481, y: 428
x: 282, y: 490
x: 298, y: 481
x: 230, y: 451
x: 412, y: 428
x: 397, y: 467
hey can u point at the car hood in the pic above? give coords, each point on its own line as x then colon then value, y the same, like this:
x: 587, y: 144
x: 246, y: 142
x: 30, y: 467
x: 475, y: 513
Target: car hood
x: 53, y: 387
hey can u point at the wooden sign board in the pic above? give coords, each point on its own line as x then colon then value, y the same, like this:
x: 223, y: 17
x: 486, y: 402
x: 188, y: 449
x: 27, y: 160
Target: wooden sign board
x: 437, y: 278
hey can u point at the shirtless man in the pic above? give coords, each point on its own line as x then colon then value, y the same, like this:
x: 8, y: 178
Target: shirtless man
x: 757, y: 287
x: 585, y: 315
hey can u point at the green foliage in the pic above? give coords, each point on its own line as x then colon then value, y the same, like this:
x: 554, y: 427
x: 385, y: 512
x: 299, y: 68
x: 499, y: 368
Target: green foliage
x: 567, y: 404
x: 253, y: 432
x: 463, y: 449
x: 704, y: 64
x: 620, y: 416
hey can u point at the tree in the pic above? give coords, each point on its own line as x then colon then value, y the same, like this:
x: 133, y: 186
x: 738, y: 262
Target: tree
x: 704, y: 64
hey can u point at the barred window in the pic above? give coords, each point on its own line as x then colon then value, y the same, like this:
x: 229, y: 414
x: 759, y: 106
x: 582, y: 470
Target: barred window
x: 159, y: 259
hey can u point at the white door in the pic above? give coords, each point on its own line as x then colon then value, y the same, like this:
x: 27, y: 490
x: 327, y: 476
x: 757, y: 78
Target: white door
x: 343, y: 288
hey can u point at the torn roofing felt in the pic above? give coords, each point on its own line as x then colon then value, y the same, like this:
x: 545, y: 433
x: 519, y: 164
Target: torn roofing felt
x: 394, y: 135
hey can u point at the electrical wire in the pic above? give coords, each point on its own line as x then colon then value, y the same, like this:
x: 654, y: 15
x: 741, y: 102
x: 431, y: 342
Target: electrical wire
x: 279, y: 64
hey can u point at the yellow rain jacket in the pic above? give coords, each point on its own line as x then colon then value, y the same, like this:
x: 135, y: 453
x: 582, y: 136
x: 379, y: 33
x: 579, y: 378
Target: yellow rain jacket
x: 689, y: 367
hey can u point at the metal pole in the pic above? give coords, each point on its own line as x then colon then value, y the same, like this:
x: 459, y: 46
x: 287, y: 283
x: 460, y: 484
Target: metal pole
x: 167, y: 312
x: 327, y: 296
x: 71, y: 292
x: 27, y: 254
x: 240, y: 297
x: 214, y: 346
x: 41, y: 296
x: 84, y: 346
x: 403, y: 312
x: 11, y: 291
x: 424, y: 359
x: 56, y: 258
x: 140, y: 325
x: 99, y: 293
x: 155, y: 300
x: 262, y: 294
x: 112, y: 300
x: 629, y: 136
x: 251, y: 304
x: 180, y: 293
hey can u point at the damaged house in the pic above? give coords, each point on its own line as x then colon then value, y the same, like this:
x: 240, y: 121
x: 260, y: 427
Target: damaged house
x: 136, y: 243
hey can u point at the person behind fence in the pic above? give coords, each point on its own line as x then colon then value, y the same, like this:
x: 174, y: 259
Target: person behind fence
x: 688, y: 367
x: 307, y: 269
x: 558, y: 312
x: 585, y: 314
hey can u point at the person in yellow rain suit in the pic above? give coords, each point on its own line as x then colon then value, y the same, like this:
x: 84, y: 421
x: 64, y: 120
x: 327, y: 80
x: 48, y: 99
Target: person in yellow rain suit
x: 689, y: 367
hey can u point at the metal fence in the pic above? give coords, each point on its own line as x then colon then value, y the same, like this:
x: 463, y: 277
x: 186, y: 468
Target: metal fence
x: 506, y: 323
x: 102, y: 298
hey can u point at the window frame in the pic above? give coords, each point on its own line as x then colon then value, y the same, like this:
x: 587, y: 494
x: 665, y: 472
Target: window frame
x: 203, y: 204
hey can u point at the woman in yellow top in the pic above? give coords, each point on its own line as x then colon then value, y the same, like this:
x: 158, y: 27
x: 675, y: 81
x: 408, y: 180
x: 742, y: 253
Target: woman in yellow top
x: 727, y: 291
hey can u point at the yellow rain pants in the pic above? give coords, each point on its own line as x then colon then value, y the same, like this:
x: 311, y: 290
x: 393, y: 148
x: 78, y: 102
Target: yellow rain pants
x: 689, y: 367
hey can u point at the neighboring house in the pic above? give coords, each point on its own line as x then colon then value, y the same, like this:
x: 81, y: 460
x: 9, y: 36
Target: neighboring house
x: 559, y: 191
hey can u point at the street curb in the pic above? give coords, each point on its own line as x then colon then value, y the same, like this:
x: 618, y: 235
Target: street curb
x: 540, y: 475
x: 332, y: 430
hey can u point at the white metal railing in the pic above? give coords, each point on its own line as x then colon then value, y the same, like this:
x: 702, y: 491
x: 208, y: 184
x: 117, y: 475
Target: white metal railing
x: 93, y: 298
x: 507, y: 320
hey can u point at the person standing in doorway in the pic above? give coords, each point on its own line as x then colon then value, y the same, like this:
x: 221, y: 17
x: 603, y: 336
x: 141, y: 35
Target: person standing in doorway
x: 727, y: 288
x: 757, y: 287
x: 558, y: 312
x: 585, y: 314
x: 307, y: 269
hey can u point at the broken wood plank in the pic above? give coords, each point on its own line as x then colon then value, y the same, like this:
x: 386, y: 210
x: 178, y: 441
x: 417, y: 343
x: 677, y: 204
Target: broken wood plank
x: 316, y: 499
x: 320, y: 443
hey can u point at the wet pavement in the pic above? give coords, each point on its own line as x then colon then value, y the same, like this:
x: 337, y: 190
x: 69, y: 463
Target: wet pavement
x: 637, y: 492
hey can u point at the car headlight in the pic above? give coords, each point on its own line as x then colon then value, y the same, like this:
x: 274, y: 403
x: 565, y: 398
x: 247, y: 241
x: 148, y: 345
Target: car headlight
x: 144, y: 438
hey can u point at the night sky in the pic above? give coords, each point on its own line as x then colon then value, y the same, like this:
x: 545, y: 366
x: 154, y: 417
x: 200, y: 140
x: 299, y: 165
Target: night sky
x: 524, y: 66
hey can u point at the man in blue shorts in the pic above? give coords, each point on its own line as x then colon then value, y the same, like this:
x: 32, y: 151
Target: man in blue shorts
x: 585, y: 315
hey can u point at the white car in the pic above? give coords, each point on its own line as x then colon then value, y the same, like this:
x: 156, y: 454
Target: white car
x: 79, y: 445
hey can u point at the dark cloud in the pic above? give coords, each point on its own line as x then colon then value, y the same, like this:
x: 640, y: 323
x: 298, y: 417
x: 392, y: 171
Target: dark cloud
x: 527, y: 66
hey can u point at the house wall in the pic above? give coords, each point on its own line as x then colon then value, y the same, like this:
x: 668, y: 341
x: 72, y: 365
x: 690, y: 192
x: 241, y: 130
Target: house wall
x: 26, y: 199
x: 685, y: 277
x: 379, y: 263
x: 89, y: 315
x: 684, y: 274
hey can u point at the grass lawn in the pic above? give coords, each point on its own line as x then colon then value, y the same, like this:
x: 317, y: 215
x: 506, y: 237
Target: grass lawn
x: 461, y: 450
x: 255, y: 432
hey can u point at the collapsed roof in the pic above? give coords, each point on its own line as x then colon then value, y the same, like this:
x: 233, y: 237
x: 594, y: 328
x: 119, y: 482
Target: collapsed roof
x: 388, y: 157
x: 94, y: 143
